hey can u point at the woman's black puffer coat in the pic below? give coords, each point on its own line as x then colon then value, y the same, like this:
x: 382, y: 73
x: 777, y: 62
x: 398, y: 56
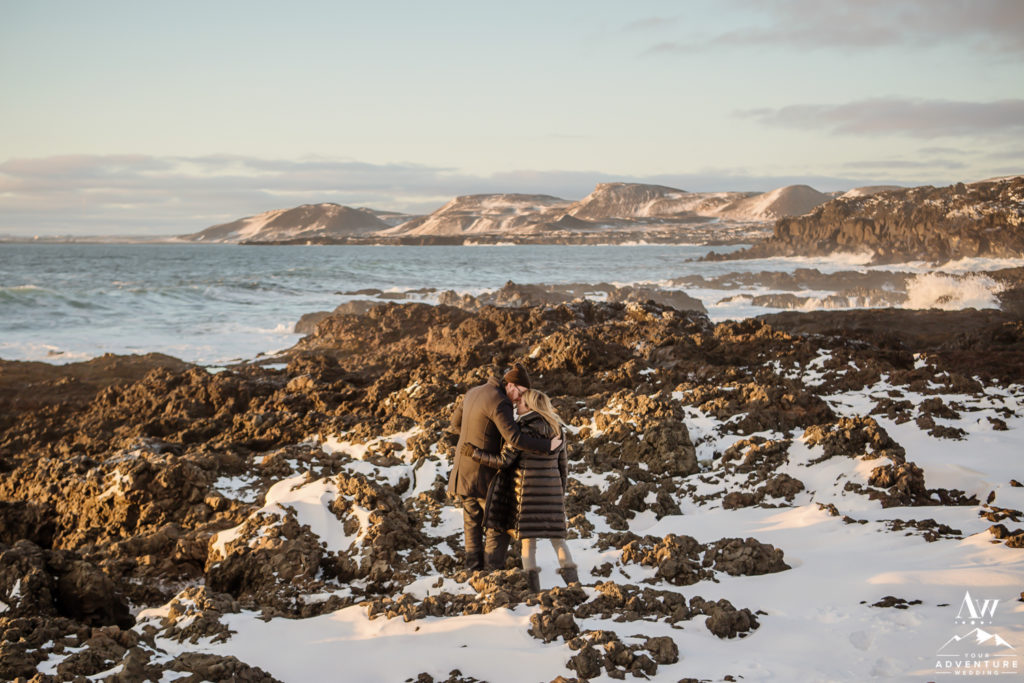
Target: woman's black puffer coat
x: 528, y: 495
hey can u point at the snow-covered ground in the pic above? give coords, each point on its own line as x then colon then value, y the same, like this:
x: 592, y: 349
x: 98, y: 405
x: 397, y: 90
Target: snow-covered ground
x: 962, y: 616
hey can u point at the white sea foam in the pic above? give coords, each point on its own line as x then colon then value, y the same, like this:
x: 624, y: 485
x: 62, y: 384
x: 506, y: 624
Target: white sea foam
x: 950, y: 292
x: 972, y: 265
x: 216, y: 304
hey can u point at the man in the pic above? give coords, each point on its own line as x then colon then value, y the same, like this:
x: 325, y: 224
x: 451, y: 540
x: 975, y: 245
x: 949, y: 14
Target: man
x: 483, y: 420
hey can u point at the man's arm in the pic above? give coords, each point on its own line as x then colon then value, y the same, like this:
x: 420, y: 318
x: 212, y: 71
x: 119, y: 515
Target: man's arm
x: 513, y: 435
x: 455, y: 426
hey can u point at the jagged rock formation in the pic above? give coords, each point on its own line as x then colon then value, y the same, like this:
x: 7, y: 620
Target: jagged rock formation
x: 513, y: 295
x: 159, y: 484
x: 922, y: 223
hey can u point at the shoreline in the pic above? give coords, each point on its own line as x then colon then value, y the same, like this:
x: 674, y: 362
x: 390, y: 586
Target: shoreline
x: 775, y: 458
x: 803, y: 291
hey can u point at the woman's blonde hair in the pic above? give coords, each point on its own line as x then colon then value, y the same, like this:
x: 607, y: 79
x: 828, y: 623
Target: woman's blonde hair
x: 539, y: 402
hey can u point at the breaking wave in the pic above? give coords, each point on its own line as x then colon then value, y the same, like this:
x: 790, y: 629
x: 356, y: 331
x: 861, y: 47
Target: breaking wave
x: 952, y: 292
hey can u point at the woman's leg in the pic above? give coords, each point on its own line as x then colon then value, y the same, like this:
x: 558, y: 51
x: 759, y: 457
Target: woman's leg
x: 529, y: 553
x: 566, y: 567
x: 562, y: 551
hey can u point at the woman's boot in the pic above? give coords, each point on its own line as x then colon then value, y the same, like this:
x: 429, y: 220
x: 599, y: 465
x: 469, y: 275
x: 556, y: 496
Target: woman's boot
x: 569, y: 575
x: 533, y: 580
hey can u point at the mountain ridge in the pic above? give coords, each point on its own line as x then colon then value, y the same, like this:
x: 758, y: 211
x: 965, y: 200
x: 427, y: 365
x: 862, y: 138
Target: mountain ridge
x: 307, y: 220
x: 616, y: 206
x: 984, y: 218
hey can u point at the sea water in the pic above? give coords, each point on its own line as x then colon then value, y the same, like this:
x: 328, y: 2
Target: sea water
x: 215, y: 304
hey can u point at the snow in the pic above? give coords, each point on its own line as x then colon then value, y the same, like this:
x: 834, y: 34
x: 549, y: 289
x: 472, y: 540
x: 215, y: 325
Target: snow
x: 335, y: 444
x: 254, y: 225
x: 817, y: 619
x: 346, y: 645
x: 309, y: 502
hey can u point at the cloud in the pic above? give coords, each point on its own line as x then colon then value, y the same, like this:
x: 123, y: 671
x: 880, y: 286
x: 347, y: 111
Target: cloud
x: 944, y: 151
x: 919, y: 165
x: 989, y: 25
x: 650, y: 23
x: 117, y: 194
x: 175, y: 195
x: 894, y: 116
x: 1013, y: 154
x: 149, y: 195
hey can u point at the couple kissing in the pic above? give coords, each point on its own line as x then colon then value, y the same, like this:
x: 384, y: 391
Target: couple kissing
x: 510, y: 474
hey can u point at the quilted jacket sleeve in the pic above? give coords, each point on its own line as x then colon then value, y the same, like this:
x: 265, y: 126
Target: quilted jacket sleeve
x: 498, y: 461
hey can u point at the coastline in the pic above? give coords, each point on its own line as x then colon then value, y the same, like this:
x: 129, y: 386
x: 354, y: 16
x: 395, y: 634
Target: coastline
x: 307, y: 492
x: 221, y: 304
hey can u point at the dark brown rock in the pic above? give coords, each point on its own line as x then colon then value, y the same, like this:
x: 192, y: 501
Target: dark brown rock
x: 920, y: 223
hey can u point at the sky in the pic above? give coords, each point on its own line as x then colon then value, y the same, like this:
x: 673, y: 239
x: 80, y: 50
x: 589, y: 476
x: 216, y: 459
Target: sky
x: 144, y: 118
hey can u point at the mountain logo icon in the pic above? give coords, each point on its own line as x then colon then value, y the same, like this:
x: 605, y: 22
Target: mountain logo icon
x: 976, y: 638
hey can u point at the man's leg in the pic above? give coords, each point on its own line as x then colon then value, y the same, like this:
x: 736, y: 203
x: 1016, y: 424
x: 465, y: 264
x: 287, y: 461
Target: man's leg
x: 472, y: 525
x: 496, y: 549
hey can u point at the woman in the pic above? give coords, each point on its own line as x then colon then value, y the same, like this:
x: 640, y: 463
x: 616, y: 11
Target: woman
x: 528, y: 496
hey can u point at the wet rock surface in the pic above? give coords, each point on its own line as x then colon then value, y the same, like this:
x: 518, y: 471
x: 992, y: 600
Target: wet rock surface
x: 134, y: 485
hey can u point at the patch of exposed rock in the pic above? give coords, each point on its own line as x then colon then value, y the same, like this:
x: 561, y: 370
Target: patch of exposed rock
x: 682, y: 561
x: 516, y: 295
x: 38, y: 582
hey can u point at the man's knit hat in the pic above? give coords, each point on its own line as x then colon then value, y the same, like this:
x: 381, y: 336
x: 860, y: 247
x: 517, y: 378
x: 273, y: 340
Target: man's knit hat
x: 517, y: 375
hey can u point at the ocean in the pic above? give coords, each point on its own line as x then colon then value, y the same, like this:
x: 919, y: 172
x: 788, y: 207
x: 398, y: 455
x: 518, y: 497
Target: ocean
x: 217, y: 304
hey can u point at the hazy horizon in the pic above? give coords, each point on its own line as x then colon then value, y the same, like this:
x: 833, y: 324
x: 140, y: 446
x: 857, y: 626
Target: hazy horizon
x: 138, y: 119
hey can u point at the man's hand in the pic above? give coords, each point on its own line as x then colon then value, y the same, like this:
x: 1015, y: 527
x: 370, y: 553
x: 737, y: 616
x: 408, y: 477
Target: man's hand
x: 555, y: 443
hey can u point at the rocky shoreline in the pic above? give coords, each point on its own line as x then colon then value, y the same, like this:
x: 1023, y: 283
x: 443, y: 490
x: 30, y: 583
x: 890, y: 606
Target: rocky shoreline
x: 801, y: 289
x: 144, y: 499
x: 983, y: 219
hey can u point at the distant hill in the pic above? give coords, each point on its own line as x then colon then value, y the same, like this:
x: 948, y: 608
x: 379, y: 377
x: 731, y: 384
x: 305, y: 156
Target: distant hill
x: 619, y: 210
x: 636, y: 202
x: 306, y: 221
x: 610, y: 205
x: 982, y: 219
x: 485, y: 213
x: 792, y: 200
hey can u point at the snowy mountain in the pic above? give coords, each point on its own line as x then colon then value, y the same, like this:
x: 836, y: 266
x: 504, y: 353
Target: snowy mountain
x: 792, y: 200
x: 618, y: 206
x: 632, y: 201
x: 635, y: 202
x: 486, y: 213
x: 306, y: 221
